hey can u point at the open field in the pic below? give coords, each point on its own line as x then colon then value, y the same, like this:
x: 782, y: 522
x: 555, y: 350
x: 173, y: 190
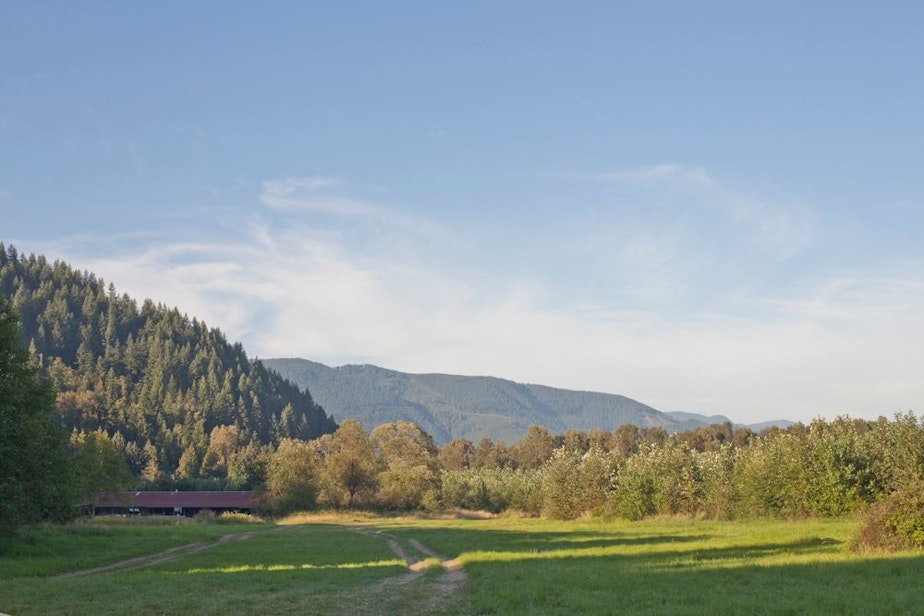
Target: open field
x: 360, y: 564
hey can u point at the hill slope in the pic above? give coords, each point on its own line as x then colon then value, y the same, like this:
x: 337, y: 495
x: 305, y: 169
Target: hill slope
x: 154, y: 379
x: 451, y: 407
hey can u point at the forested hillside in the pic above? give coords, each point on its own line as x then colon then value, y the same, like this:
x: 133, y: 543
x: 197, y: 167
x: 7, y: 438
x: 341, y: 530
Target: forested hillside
x: 175, y: 396
x: 450, y: 406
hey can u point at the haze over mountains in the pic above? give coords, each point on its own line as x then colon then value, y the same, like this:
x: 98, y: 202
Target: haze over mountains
x: 471, y: 407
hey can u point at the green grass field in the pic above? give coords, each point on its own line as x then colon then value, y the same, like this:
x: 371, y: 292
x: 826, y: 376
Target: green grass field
x: 344, y: 565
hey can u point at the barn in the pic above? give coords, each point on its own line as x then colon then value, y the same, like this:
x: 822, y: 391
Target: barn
x: 187, y: 503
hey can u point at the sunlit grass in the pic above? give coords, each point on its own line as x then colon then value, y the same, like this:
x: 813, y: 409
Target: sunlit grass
x: 395, y: 562
x: 51, y: 550
x: 671, y: 567
x: 333, y: 563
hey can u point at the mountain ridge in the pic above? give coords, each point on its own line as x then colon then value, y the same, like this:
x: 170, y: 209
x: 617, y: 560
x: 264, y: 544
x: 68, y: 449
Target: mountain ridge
x: 458, y: 406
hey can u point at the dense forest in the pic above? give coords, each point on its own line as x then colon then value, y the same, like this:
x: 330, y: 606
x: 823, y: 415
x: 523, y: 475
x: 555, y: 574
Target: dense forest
x: 177, y: 399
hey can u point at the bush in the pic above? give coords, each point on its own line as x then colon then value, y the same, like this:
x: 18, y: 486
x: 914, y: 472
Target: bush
x: 237, y: 518
x: 772, y: 477
x: 896, y: 523
x: 574, y: 484
x: 659, y: 480
x: 494, y: 490
x: 717, y: 468
x: 204, y: 515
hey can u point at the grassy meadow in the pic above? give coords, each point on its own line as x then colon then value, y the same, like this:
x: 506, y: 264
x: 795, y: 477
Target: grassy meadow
x: 344, y: 565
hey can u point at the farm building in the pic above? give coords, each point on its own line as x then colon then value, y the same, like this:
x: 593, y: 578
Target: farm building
x: 174, y: 503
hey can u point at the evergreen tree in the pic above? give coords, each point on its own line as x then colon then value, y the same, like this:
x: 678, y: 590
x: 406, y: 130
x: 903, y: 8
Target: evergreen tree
x: 149, y: 374
x: 33, y: 467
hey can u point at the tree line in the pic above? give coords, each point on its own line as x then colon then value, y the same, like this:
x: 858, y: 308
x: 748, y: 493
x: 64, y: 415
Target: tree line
x: 825, y: 468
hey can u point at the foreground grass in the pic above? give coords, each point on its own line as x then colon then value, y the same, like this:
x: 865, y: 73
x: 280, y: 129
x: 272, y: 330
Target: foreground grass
x: 320, y: 569
x: 672, y: 567
x: 50, y: 550
x: 342, y: 565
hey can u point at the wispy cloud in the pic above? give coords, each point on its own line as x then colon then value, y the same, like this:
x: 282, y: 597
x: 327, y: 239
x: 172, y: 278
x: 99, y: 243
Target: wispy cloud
x: 780, y: 229
x: 287, y: 186
x: 313, y: 193
x: 332, y: 196
x: 846, y: 342
x: 657, y: 174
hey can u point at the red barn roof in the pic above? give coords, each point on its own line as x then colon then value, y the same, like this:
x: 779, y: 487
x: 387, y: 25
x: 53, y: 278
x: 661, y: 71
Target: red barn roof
x: 163, y: 500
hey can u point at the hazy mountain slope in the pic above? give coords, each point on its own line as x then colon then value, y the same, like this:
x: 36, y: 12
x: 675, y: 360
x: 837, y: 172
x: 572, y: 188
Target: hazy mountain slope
x: 782, y: 424
x: 450, y: 406
x: 691, y: 421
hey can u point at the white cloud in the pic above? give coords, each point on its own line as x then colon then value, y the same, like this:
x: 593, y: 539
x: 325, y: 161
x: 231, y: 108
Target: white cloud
x: 850, y: 342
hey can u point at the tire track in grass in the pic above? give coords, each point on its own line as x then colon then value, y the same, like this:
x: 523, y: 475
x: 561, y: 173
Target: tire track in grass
x: 435, y: 593
x: 154, y: 559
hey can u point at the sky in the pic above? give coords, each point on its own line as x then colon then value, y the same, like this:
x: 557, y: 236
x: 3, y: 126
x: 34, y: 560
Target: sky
x: 713, y: 207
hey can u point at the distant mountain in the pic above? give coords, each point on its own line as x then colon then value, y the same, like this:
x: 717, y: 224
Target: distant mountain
x: 782, y: 424
x: 690, y: 421
x: 449, y: 407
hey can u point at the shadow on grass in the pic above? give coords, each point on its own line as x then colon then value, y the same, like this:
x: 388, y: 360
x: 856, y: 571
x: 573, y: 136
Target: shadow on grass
x: 619, y: 585
x: 538, y: 569
x: 481, y: 539
x: 550, y: 572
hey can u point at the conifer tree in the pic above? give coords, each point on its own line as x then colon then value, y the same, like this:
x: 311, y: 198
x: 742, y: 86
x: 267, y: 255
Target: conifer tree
x: 33, y: 468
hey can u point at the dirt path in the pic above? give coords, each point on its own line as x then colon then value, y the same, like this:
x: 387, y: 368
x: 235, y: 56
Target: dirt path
x: 412, y: 592
x: 155, y: 559
x: 436, y: 592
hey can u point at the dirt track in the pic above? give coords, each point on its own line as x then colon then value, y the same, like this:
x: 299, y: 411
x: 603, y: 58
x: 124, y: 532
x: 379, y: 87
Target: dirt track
x: 155, y: 559
x: 430, y: 593
x: 437, y: 592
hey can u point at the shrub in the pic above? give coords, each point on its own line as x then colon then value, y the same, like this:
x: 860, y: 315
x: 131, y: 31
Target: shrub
x: 237, y: 518
x: 575, y: 483
x: 895, y: 523
x: 494, y: 489
x: 661, y: 479
x: 717, y: 468
x: 561, y: 486
x: 205, y: 515
x: 841, y: 477
x: 474, y: 489
x: 772, y: 477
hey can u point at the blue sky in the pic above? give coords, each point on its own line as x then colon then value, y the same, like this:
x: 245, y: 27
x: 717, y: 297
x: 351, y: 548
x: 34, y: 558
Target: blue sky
x: 711, y: 207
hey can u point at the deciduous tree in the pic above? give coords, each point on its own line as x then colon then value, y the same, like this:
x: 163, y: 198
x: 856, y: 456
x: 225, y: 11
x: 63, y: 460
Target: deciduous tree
x: 292, y: 477
x: 98, y: 467
x: 350, y: 466
x: 408, y: 457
